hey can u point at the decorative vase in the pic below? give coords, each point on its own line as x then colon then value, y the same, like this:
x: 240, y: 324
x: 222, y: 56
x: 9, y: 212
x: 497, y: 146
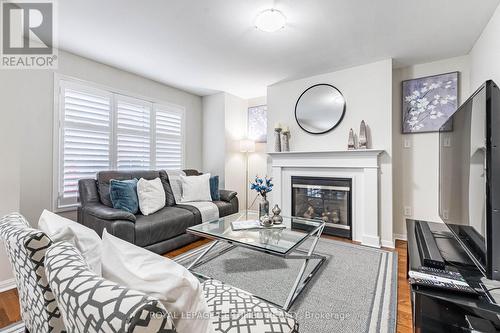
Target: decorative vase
x: 266, y: 221
x: 363, y: 140
x: 351, y: 143
x: 277, y: 219
x: 263, y: 206
x: 285, y: 140
x: 277, y: 139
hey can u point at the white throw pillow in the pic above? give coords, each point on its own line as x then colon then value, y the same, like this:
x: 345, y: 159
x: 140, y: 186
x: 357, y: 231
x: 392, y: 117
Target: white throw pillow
x: 196, y: 188
x: 151, y: 195
x: 177, y: 289
x: 84, y: 239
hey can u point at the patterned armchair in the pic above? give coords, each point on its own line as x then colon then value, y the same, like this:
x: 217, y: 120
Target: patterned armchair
x: 26, y: 251
x: 90, y: 303
x: 234, y: 311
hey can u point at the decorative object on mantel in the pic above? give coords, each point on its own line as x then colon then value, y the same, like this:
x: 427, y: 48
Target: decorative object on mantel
x: 262, y: 186
x: 277, y: 218
x: 320, y: 108
x: 285, y: 139
x: 428, y: 102
x: 363, y: 139
x: 277, y: 137
x: 266, y: 221
x: 351, y: 143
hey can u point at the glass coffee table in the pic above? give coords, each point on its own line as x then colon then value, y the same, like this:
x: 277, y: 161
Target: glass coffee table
x: 283, y: 242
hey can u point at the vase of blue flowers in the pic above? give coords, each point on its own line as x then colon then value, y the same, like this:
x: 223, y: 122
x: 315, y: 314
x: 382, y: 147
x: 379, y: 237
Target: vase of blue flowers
x: 262, y: 186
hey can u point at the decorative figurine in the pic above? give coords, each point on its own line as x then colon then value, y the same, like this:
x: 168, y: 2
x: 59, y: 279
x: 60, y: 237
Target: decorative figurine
x: 351, y: 144
x: 363, y: 140
x: 266, y: 221
x: 285, y: 139
x: 336, y: 216
x: 309, y: 214
x: 277, y: 138
x: 277, y: 219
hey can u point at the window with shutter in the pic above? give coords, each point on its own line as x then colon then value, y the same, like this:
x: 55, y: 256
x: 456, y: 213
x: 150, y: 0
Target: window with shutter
x: 101, y: 130
x: 133, y: 129
x: 169, y: 145
x: 86, y: 129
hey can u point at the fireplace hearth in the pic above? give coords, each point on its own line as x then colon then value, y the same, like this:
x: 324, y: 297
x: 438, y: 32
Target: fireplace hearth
x: 323, y: 198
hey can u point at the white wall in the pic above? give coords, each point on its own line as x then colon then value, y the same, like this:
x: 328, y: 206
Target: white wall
x: 27, y: 102
x: 485, y: 55
x: 214, y: 136
x: 368, y: 93
x: 9, y: 177
x: 236, y: 129
x: 415, y: 169
x: 222, y: 135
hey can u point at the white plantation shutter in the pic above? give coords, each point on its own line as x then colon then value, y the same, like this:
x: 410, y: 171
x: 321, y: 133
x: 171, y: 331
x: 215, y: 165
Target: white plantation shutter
x: 133, y: 128
x: 86, y: 129
x: 100, y: 130
x: 169, y: 137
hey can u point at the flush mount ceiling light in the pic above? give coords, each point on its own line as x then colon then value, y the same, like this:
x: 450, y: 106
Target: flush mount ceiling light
x: 270, y: 20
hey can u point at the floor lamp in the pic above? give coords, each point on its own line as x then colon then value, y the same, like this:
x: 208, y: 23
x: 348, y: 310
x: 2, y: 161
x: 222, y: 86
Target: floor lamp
x: 246, y: 146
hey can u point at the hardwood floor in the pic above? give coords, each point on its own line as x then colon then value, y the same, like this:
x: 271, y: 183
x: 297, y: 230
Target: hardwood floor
x: 9, y: 300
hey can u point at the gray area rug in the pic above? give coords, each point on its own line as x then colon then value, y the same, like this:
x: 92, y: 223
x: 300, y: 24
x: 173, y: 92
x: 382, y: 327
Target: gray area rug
x: 354, y: 291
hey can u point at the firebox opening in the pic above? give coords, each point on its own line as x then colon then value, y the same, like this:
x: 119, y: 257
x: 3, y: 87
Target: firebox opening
x: 322, y: 198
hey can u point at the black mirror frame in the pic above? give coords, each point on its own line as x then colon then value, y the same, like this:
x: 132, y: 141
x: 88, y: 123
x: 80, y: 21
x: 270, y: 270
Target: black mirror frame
x: 338, y: 122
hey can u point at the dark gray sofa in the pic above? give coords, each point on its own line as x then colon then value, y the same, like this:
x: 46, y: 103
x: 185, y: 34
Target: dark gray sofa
x: 160, y: 232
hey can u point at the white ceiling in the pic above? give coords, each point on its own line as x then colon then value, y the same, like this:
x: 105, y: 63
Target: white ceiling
x: 205, y: 46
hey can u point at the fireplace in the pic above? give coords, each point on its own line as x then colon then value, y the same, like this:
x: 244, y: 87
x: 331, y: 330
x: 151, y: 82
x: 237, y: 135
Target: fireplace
x: 323, y: 198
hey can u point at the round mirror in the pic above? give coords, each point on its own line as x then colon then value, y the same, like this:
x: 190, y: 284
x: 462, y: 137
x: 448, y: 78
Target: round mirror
x: 320, y: 109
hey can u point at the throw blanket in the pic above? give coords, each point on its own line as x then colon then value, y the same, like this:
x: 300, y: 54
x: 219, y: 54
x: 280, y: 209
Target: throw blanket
x: 208, y: 210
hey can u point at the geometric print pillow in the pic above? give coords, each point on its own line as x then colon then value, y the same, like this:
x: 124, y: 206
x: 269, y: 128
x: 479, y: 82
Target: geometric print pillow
x: 26, y: 251
x: 90, y: 303
x: 235, y: 311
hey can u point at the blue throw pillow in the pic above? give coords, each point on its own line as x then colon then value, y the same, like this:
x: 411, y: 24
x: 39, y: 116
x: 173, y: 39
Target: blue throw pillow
x: 214, y: 188
x: 124, y: 195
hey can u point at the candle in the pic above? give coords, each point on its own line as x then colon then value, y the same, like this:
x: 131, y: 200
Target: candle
x: 277, y: 125
x: 285, y: 129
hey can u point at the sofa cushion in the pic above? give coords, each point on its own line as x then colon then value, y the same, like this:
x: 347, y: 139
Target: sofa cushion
x: 233, y: 309
x: 166, y: 223
x: 169, y: 195
x: 104, y: 177
x: 214, y: 188
x: 177, y: 288
x: 123, y: 195
x: 151, y: 195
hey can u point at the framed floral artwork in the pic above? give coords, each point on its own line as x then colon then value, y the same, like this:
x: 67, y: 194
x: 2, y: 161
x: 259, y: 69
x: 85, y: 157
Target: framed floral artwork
x: 428, y: 102
x: 257, y: 123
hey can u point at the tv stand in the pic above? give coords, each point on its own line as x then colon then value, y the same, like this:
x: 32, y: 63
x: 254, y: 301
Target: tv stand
x: 435, y: 310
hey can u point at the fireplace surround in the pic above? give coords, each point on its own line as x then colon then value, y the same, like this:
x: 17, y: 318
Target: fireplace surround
x: 323, y: 198
x: 361, y: 166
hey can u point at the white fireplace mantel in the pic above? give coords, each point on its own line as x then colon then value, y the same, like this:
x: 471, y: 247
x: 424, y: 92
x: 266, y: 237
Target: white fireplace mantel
x: 361, y: 165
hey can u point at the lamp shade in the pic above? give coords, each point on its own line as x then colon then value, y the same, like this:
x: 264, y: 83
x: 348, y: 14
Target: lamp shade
x: 247, y: 146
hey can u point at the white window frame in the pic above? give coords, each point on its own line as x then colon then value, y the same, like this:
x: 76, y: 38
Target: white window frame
x: 61, y: 81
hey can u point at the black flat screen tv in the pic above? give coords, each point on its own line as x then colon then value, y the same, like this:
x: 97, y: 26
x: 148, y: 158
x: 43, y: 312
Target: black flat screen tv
x: 469, y: 177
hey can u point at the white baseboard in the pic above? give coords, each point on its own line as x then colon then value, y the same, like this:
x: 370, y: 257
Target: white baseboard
x: 7, y: 285
x: 400, y: 236
x: 370, y: 241
x: 388, y: 244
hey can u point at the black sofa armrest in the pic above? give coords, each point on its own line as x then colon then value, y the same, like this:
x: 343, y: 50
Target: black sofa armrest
x: 227, y: 195
x: 87, y: 188
x: 123, y: 229
x: 107, y: 213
